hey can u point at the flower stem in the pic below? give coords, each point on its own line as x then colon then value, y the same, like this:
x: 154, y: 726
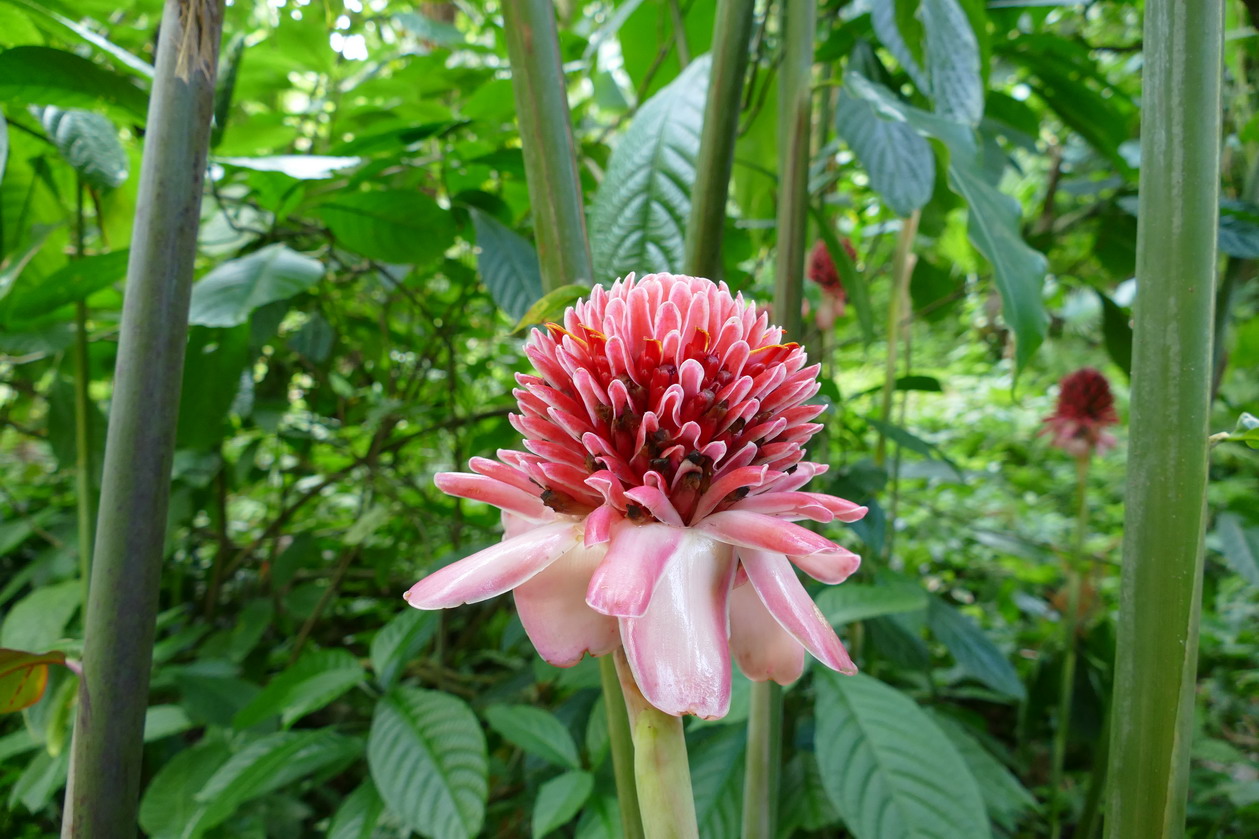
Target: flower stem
x: 622, y: 749
x: 1070, y: 625
x: 1157, y: 648
x: 104, y: 784
x: 546, y: 138
x: 902, y: 270
x: 86, y: 503
x: 760, y: 781
x: 661, y: 769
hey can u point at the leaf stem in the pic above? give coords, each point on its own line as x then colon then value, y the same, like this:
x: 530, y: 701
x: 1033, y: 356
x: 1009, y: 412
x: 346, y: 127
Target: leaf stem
x: 902, y: 270
x: 764, y: 757
x: 622, y: 749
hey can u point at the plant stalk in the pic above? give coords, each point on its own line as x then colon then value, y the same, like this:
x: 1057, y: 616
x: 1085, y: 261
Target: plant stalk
x: 546, y: 136
x: 902, y: 270
x: 1171, y: 378
x: 764, y: 757
x: 622, y: 749
x: 103, y: 791
x: 731, y: 33
x: 661, y: 769
x: 85, y: 502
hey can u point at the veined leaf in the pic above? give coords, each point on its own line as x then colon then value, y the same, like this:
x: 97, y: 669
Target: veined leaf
x: 230, y: 292
x: 717, y: 778
x: 900, y: 163
x: 558, y: 801
x: 805, y: 803
x: 89, y: 143
x: 973, y: 649
x: 508, y: 265
x: 1007, y: 800
x: 427, y: 757
x: 395, y: 226
x: 536, y: 731
x: 32, y: 75
x: 398, y: 641
x: 357, y: 816
x: 957, y: 87
x: 639, y: 216
x: 888, y: 768
x: 315, y: 680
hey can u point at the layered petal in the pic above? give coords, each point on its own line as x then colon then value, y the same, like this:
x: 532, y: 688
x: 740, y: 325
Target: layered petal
x: 763, y: 649
x: 754, y: 530
x: 492, y: 491
x: 679, y: 650
x: 496, y: 569
x: 829, y: 567
x: 626, y: 579
x: 552, y: 607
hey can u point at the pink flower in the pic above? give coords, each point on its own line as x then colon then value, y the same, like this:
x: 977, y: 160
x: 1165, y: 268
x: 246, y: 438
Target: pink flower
x: 653, y: 507
x: 823, y: 273
x: 1085, y: 408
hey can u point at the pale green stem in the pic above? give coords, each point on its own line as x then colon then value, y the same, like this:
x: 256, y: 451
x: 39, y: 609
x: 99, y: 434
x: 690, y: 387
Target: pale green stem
x: 1160, y: 603
x: 622, y: 748
x: 85, y: 502
x: 546, y: 137
x: 1070, y: 624
x: 902, y: 271
x: 103, y: 791
x: 764, y: 757
x: 660, y: 764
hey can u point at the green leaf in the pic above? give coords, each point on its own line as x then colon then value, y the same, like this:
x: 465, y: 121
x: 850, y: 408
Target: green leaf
x: 550, y: 307
x: 897, y: 25
x: 164, y: 721
x: 358, y: 814
x: 536, y: 731
x: 229, y: 294
x: 24, y: 677
x: 4, y: 146
x: 508, y: 265
x: 853, y: 602
x: 804, y: 802
x: 427, y: 756
x: 639, y: 215
x: 717, y: 779
x: 957, y: 88
x: 1239, y: 229
x: 1238, y: 544
x: 89, y: 143
x: 395, y: 226
x: 31, y: 75
x: 315, y: 680
x: 558, y: 801
x: 214, y: 362
x: 302, y: 167
x: 888, y: 768
x: 77, y: 280
x: 133, y: 63
x: 898, y: 160
x: 973, y: 650
x: 169, y: 802
x: 44, y: 775
x: 264, y: 766
x: 427, y: 29
x: 1007, y: 800
x: 399, y: 641
x: 39, y: 620
x: 905, y: 438
x: 1117, y: 333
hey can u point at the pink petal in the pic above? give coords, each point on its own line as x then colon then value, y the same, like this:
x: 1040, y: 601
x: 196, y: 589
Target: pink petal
x: 753, y: 530
x: 762, y: 647
x: 494, y: 570
x: 627, y: 577
x: 553, y: 609
x: 830, y: 567
x: 785, y: 598
x: 812, y: 505
x: 599, y: 524
x: 656, y: 502
x: 679, y: 650
x: 491, y: 491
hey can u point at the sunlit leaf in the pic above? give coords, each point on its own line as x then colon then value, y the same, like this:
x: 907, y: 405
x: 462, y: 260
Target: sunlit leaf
x: 23, y: 677
x: 232, y: 291
x: 508, y: 265
x: 31, y: 75
x: 89, y: 143
x: 853, y: 602
x: 551, y: 306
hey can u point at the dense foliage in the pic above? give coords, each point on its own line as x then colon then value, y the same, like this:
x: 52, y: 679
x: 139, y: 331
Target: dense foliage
x: 367, y: 274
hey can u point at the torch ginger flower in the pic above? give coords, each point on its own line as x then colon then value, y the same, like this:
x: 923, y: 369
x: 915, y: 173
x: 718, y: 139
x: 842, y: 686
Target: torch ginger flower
x: 1085, y: 408
x: 654, y: 506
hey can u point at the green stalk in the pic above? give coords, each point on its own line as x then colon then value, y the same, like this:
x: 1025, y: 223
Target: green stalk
x: 103, y: 792
x: 622, y: 748
x: 1070, y: 624
x: 1171, y: 376
x: 731, y: 33
x: 799, y: 22
x: 546, y: 136
x: 902, y: 271
x: 660, y: 764
x: 85, y: 503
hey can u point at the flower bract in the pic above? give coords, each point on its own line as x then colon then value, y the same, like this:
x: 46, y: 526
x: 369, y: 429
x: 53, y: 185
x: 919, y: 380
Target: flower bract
x: 1085, y: 408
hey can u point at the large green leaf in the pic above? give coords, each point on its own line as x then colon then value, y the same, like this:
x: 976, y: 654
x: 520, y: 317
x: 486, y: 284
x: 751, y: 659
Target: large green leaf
x: 315, y: 680
x: 957, y: 88
x: 559, y: 799
x: 169, y: 803
x: 888, y: 768
x: 31, y: 75
x: 398, y: 641
x: 993, y: 218
x: 535, y: 730
x: 396, y: 226
x: 213, y: 365
x: 1240, y: 546
x: 508, y: 264
x: 358, y: 814
x: 38, y: 621
x: 135, y: 64
x: 427, y: 757
x: 229, y: 294
x: 639, y: 216
x: 899, y: 161
x: 717, y: 780
x: 1007, y: 800
x: 804, y: 802
x: 33, y: 300
x: 89, y: 143
x: 973, y: 649
x: 852, y: 601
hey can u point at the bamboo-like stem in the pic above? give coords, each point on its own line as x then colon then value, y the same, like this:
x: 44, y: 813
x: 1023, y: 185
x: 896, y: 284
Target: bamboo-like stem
x: 622, y: 748
x: 731, y: 33
x: 85, y: 502
x: 546, y: 136
x: 764, y: 757
x: 103, y: 792
x: 1070, y: 624
x: 902, y: 270
x: 1167, y: 462
x: 661, y: 769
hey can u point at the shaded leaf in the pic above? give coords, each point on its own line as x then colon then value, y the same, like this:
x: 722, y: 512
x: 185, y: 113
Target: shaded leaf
x: 973, y: 649
x: 899, y: 161
x: 24, y: 677
x: 31, y: 75
x: 399, y: 641
x: 1007, y: 800
x: 508, y: 265
x: 395, y: 226
x: 804, y: 801
x: 1239, y: 545
x: 717, y: 779
x: 229, y: 294
x: 89, y: 143
x: 536, y: 731
x: 957, y: 88
x: 558, y: 801
x: 169, y: 802
x: 315, y: 680
x: 1117, y: 333
x: 358, y: 814
x: 853, y: 601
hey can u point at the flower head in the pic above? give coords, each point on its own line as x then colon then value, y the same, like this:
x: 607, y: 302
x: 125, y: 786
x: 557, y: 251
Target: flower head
x: 1085, y: 407
x: 822, y: 272
x: 653, y: 505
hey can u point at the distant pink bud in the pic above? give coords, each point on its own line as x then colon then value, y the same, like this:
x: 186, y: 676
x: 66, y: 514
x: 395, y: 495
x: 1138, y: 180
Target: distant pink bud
x: 1085, y: 408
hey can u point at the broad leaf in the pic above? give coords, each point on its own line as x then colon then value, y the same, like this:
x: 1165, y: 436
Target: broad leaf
x: 1240, y: 546
x: 39, y: 620
x: 213, y: 364
x: 77, y: 280
x: 957, y: 88
x: 315, y: 680
x: 558, y: 801
x: 229, y: 294
x: 853, y: 601
x: 398, y: 641
x: 899, y: 161
x: 427, y: 757
x: 639, y: 216
x: 536, y: 731
x: 394, y: 226
x: 169, y: 804
x: 357, y: 816
x: 89, y: 143
x: 973, y: 650
x: 717, y: 779
x: 1007, y: 800
x: 804, y: 802
x: 128, y: 60
x: 888, y: 768
x: 24, y: 677
x: 32, y: 75
x: 508, y: 265
x: 1116, y: 333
